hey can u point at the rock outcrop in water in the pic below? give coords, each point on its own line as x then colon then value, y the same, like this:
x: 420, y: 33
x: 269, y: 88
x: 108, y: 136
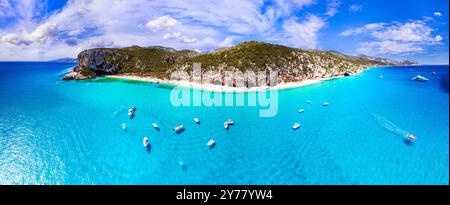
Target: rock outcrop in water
x: 292, y: 64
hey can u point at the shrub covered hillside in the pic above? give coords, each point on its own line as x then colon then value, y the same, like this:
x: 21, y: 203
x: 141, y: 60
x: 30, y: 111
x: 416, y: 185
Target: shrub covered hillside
x: 292, y: 64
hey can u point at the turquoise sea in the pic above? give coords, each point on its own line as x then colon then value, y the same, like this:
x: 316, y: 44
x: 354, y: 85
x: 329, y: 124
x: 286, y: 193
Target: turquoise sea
x: 72, y: 132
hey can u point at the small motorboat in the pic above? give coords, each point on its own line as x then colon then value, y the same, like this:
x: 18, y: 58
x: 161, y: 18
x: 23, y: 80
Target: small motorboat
x: 433, y: 73
x: 230, y: 122
x: 196, y: 120
x: 124, y: 126
x: 411, y: 136
x: 309, y: 102
x: 131, y: 111
x: 145, y: 141
x: 295, y: 126
x: 178, y: 128
x: 225, y: 125
x: 211, y: 143
x: 301, y: 110
x: 420, y: 78
x: 380, y: 76
x: 326, y: 104
x: 155, y: 125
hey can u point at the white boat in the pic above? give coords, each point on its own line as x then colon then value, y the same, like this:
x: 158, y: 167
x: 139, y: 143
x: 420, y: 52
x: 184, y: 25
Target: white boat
x: 145, y: 141
x: 326, y: 104
x: 130, y: 114
x: 211, y: 143
x: 131, y: 111
x: 295, y: 126
x: 178, y: 128
x: 301, y: 110
x: 309, y: 102
x: 230, y: 122
x: 155, y: 125
x: 380, y: 76
x: 420, y: 78
x: 433, y: 73
x: 225, y: 125
x: 411, y: 136
x: 196, y: 120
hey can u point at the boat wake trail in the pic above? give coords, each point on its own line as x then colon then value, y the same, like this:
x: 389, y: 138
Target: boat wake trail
x: 389, y: 125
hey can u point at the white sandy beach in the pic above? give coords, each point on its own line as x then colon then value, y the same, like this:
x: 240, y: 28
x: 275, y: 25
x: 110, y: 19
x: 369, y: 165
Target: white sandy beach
x: 220, y: 88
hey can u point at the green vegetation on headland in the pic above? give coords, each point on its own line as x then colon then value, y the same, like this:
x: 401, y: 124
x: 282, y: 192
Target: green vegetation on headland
x: 292, y: 64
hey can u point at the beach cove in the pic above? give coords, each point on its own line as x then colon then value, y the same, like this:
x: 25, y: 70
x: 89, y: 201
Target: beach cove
x: 71, y: 132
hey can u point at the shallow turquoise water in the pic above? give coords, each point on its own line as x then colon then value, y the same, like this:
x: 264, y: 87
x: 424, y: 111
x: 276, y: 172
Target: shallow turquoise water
x: 58, y: 132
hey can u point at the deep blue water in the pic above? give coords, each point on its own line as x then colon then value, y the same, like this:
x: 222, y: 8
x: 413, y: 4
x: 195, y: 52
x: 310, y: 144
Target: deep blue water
x: 70, y: 132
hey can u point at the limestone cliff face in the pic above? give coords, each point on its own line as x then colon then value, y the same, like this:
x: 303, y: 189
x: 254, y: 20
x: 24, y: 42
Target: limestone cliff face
x: 95, y: 62
x: 131, y: 60
x: 291, y: 64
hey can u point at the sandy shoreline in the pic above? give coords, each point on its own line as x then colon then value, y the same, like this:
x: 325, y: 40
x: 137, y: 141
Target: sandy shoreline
x: 219, y: 88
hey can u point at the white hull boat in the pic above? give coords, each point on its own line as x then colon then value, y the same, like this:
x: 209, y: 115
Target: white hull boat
x: 131, y: 111
x: 196, y: 120
x: 145, y: 141
x: 411, y: 136
x: 295, y: 126
x: 420, y: 78
x: 211, y: 143
x: 178, y: 128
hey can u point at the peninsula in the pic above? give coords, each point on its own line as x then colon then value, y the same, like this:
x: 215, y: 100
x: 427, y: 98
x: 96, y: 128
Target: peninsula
x: 295, y: 66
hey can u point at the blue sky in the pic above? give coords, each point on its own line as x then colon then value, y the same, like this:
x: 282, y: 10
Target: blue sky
x: 400, y: 29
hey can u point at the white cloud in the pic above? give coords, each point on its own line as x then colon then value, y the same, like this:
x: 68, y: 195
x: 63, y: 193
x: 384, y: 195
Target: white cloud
x: 438, y: 38
x: 95, y: 43
x: 427, y: 18
x: 395, y: 38
x: 6, y: 9
x: 332, y: 7
x: 203, y: 25
x: 387, y: 47
x: 42, y: 33
x: 437, y: 13
x: 287, y: 6
x: 178, y: 37
x: 238, y: 17
x: 303, y: 34
x: 364, y: 29
x: 408, y: 32
x: 163, y: 22
x: 25, y: 9
x: 227, y: 42
x: 355, y: 7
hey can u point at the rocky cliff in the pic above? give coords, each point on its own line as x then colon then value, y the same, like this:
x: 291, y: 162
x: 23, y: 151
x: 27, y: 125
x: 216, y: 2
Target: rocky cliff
x: 292, y: 64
